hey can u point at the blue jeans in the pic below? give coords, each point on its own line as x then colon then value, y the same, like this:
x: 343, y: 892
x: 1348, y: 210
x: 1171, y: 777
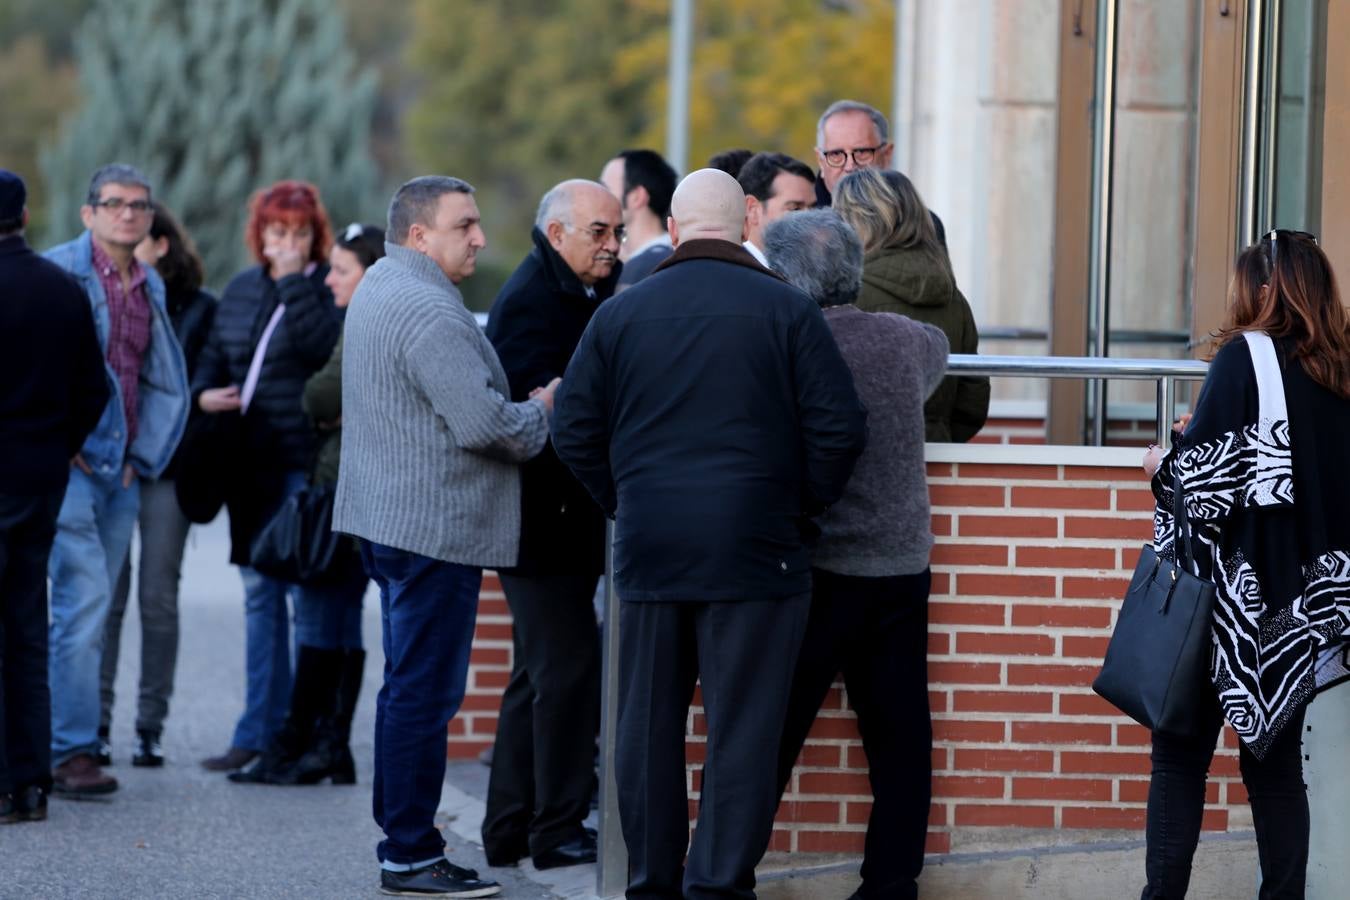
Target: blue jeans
x: 93, y: 532
x: 329, y: 616
x: 427, y: 609
x: 267, y: 652
x: 267, y: 660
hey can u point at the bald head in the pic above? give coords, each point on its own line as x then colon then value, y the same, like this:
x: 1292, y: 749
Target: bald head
x: 708, y: 205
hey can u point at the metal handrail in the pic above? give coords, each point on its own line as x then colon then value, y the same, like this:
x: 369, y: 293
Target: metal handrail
x: 1118, y: 335
x: 1166, y: 372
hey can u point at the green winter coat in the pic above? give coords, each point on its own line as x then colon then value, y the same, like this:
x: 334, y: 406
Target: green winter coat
x: 911, y: 283
x: 322, y: 402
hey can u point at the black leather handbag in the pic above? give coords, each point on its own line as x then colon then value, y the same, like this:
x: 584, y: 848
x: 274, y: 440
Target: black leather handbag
x: 298, y: 543
x: 1157, y: 663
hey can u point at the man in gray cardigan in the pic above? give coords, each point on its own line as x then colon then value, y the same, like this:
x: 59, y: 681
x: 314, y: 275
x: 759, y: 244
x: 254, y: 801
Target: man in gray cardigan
x: 429, y: 481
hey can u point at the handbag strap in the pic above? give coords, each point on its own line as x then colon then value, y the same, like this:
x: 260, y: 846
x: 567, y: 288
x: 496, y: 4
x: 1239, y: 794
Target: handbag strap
x: 1181, y: 524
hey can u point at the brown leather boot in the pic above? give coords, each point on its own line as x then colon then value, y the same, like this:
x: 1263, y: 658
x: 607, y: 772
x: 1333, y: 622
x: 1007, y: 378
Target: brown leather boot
x: 80, y: 776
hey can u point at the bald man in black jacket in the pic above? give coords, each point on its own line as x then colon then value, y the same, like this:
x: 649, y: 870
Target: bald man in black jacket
x: 55, y: 389
x: 709, y: 410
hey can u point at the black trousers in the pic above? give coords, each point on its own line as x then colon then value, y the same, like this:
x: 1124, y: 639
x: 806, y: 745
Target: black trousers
x: 1176, y: 803
x: 874, y: 630
x: 742, y: 652
x: 543, y: 761
x: 27, y: 529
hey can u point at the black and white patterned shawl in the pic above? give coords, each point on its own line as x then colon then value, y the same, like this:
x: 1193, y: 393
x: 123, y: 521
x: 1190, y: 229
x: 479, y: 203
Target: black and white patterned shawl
x: 1265, y: 485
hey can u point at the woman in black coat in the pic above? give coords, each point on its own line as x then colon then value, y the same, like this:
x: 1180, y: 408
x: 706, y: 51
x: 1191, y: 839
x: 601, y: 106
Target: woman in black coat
x: 1261, y: 466
x: 276, y: 326
x: 163, y: 526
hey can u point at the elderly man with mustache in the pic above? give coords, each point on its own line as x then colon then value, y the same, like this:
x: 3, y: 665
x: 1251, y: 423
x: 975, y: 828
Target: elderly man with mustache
x: 540, y: 788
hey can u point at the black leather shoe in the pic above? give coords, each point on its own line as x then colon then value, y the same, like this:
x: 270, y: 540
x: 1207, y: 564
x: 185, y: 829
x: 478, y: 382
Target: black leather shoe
x: 232, y: 759
x: 506, y: 858
x: 575, y: 852
x: 27, y: 804
x: 440, y: 879
x: 149, y: 754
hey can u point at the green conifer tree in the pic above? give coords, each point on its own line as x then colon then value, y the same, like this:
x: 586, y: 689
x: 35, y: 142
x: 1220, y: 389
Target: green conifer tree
x: 213, y: 100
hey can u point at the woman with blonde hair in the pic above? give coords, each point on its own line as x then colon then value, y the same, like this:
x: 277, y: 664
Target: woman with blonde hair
x: 906, y: 271
x: 1260, y: 465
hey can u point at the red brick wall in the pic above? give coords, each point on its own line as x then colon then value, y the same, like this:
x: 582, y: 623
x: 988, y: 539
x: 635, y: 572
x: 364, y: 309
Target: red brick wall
x: 1031, y: 560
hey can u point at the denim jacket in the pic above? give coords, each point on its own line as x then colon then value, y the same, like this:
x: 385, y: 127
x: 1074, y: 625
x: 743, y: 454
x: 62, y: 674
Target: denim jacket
x: 163, y: 390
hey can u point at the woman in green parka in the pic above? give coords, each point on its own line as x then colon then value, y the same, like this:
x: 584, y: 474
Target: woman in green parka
x: 906, y: 270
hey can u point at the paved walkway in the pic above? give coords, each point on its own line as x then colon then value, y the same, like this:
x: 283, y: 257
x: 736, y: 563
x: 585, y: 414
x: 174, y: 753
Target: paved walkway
x: 184, y: 832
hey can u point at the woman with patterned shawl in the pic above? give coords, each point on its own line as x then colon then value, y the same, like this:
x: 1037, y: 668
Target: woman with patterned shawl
x: 1262, y: 468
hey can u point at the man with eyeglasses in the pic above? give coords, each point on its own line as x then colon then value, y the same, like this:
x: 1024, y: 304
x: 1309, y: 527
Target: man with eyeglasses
x: 542, y: 762
x: 852, y: 136
x: 136, y: 436
x: 643, y: 181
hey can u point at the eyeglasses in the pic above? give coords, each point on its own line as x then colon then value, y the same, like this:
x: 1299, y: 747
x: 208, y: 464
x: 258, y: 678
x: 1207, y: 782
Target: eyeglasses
x: 861, y: 156
x: 600, y: 233
x: 115, y: 205
x: 1274, y: 236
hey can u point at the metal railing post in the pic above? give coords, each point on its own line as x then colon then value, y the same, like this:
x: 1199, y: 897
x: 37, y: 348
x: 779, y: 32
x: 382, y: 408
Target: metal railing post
x: 611, y: 875
x: 1103, y: 165
x: 1167, y: 407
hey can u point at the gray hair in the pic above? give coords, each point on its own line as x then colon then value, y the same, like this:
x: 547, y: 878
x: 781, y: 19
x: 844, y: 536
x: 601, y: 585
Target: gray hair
x: 115, y: 173
x: 416, y: 201
x: 843, y: 106
x: 817, y: 252
x: 556, y: 204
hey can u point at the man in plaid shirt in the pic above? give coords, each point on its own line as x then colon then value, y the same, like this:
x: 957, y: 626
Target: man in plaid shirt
x: 136, y: 436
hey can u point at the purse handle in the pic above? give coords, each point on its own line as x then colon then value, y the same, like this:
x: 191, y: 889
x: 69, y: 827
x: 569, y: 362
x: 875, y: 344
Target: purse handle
x: 1181, y: 524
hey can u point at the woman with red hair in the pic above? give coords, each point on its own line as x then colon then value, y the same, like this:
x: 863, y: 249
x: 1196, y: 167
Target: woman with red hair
x: 275, y: 326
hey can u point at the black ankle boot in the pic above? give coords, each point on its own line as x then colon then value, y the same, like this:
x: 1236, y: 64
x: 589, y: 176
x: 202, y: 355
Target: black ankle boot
x: 331, y: 755
x: 316, y: 670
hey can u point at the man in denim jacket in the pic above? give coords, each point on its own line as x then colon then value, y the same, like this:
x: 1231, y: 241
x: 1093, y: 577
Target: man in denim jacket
x: 136, y: 436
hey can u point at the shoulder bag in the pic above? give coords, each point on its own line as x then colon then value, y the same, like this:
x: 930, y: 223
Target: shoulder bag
x: 1157, y: 663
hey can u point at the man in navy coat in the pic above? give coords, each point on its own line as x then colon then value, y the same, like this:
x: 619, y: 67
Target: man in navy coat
x: 55, y: 389
x: 708, y: 410
x: 543, y: 757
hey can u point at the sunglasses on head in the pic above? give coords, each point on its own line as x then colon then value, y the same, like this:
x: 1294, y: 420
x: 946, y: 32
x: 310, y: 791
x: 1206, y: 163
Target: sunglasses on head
x: 1273, y: 238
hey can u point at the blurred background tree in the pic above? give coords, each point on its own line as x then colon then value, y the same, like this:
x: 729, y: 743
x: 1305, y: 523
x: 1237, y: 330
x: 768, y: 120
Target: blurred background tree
x: 518, y: 95
x: 218, y: 97
x: 213, y: 100
x: 37, y: 82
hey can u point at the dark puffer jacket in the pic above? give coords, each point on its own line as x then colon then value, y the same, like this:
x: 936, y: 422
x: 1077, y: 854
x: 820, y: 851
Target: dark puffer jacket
x: 913, y: 284
x: 277, y: 435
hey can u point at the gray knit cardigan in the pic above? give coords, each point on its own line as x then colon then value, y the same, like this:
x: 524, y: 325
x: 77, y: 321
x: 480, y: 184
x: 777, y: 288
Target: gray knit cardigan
x: 430, y: 439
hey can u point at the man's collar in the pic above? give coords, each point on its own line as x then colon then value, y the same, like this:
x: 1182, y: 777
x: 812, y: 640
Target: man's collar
x: 106, y: 265
x: 561, y: 276
x: 421, y: 265
x: 661, y: 240
x: 757, y: 253
x: 711, y: 248
x: 823, y: 198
